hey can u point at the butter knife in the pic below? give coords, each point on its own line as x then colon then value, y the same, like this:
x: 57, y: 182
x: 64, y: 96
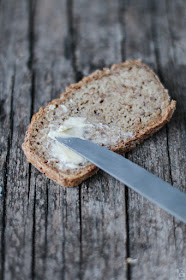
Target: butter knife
x: 132, y: 175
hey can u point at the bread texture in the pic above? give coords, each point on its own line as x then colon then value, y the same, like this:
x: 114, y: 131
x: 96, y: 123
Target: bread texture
x: 121, y: 105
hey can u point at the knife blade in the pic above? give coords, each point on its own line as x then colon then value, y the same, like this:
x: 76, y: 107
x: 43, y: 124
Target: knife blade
x: 132, y: 175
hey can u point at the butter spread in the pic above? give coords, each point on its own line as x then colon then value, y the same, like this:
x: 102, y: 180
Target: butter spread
x: 72, y: 127
x: 79, y: 127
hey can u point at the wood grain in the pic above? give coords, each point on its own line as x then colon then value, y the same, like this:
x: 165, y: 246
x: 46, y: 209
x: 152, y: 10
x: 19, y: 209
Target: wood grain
x: 103, y: 225
x: 155, y: 231
x: 16, y: 84
x: 99, y: 230
x: 56, y: 230
x: 174, y: 63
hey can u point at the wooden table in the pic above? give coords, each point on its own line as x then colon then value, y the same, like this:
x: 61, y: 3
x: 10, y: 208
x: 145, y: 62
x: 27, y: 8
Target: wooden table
x: 99, y: 230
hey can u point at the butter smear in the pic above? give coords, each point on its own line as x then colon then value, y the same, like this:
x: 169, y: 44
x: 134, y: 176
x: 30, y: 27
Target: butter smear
x: 72, y: 127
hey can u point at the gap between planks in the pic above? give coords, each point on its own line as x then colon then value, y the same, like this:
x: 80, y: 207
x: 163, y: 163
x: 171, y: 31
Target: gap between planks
x: 31, y: 37
x: 121, y: 17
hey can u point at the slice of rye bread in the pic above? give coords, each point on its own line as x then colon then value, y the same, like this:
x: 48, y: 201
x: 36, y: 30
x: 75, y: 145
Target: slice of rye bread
x: 125, y: 104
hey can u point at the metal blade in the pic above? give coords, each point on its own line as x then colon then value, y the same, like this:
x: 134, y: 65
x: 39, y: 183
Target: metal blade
x: 137, y: 178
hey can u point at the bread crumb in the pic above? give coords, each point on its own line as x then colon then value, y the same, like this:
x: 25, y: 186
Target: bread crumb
x: 131, y: 261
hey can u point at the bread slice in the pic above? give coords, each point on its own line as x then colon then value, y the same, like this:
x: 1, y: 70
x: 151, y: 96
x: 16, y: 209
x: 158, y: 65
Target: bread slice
x: 120, y: 107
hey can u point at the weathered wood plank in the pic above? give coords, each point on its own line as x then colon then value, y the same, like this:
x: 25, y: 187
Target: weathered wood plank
x: 175, y: 65
x: 6, y: 83
x: 173, y: 68
x: 151, y: 230
x: 15, y: 81
x: 98, y: 38
x: 56, y: 230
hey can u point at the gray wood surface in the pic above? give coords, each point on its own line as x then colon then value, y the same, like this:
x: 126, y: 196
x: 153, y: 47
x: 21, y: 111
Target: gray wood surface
x: 159, y: 253
x: 100, y: 229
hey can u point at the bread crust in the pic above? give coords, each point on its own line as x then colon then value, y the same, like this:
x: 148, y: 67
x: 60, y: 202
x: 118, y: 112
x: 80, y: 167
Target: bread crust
x: 84, y: 173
